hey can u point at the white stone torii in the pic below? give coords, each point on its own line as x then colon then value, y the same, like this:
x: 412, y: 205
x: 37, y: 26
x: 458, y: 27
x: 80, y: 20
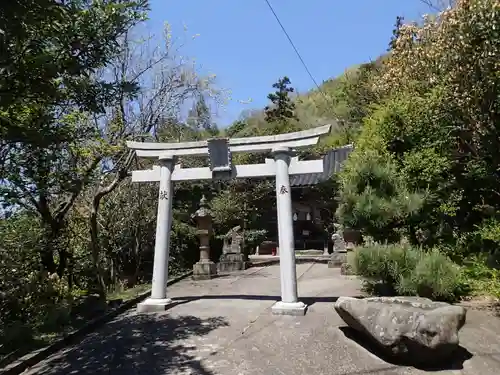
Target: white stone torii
x: 282, y: 166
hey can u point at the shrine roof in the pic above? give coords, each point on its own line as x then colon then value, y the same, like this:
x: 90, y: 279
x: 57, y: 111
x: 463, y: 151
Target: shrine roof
x: 332, y: 163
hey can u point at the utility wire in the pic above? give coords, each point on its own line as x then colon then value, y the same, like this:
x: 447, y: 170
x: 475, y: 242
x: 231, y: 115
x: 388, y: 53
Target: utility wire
x: 426, y: 2
x: 430, y: 4
x: 292, y: 44
x: 301, y: 59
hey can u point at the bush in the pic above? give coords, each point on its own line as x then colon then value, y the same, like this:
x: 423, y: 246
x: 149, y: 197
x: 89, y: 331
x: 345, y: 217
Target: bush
x: 405, y: 270
x: 435, y: 276
x: 383, y: 265
x: 483, y: 279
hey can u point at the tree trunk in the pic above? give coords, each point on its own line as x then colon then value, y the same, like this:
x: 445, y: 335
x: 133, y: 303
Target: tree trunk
x: 63, y: 261
x: 70, y: 275
x: 47, y: 258
x: 94, y: 231
x: 52, y: 244
x: 137, y: 254
x: 94, y: 243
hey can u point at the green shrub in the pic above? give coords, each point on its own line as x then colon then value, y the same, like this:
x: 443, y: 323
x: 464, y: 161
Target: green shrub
x: 405, y: 270
x: 384, y: 264
x: 482, y: 279
x: 435, y: 276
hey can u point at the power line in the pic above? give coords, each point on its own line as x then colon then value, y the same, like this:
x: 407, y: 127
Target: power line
x: 292, y: 44
x: 430, y: 4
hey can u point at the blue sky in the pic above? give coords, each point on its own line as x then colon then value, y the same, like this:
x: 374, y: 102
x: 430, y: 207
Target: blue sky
x: 241, y: 42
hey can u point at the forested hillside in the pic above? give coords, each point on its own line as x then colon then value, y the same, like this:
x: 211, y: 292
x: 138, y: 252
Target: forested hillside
x: 79, y: 79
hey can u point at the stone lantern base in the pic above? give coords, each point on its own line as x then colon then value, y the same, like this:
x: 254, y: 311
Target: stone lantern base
x: 204, y: 270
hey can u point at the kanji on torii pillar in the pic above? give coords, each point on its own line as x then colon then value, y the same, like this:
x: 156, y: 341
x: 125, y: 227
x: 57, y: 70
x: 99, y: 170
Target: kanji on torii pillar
x: 219, y: 152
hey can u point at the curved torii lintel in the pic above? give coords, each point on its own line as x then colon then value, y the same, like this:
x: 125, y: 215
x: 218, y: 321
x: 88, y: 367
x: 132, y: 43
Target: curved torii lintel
x: 302, y: 138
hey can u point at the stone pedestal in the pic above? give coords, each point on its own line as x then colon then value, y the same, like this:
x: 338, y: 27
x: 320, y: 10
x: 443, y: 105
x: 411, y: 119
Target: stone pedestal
x: 337, y: 259
x: 204, y: 270
x: 325, y: 250
x: 289, y: 308
x: 230, y: 262
x: 154, y: 305
x: 232, y: 258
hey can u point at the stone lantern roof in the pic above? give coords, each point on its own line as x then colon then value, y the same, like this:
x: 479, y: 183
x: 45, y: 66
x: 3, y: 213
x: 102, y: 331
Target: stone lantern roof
x: 203, y: 211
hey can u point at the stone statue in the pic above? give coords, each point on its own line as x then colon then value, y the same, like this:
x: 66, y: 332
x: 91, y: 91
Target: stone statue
x: 339, y: 254
x: 232, y: 241
x: 232, y: 258
x: 339, y: 244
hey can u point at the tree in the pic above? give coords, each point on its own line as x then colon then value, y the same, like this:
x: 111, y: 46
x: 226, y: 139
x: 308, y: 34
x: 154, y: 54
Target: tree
x: 199, y: 117
x: 235, y: 128
x: 395, y: 32
x: 437, y: 115
x: 375, y: 199
x: 50, y: 52
x: 52, y: 93
x: 165, y: 83
x: 282, y: 109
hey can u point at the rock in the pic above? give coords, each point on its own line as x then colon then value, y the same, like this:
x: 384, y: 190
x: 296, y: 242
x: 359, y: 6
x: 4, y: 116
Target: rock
x: 412, y: 329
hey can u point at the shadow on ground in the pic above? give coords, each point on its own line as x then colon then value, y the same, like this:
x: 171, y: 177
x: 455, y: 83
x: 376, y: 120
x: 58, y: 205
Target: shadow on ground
x: 455, y: 363
x: 139, y: 344
x: 309, y: 301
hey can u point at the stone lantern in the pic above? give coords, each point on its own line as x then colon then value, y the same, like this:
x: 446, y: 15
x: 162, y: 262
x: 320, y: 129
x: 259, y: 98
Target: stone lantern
x: 205, y: 268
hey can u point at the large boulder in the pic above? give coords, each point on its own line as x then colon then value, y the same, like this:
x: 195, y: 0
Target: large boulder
x: 411, y: 329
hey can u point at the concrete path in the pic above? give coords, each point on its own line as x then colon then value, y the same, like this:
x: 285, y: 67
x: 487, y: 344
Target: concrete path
x: 225, y: 327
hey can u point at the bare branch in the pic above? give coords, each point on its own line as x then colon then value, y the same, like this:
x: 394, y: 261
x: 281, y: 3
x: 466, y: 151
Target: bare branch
x: 65, y: 206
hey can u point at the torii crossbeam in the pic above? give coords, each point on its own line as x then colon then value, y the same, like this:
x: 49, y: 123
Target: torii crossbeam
x: 219, y: 151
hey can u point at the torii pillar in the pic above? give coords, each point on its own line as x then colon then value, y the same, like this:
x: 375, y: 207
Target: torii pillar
x: 158, y: 300
x: 289, y: 304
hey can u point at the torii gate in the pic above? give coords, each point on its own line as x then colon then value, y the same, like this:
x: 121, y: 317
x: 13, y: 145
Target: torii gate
x: 219, y: 151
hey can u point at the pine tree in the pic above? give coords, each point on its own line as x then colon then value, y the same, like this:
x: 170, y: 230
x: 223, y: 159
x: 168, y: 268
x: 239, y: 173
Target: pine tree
x: 283, y: 109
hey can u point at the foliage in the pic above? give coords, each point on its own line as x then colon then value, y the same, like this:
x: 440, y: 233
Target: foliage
x: 51, y: 147
x: 50, y: 52
x: 384, y: 264
x: 405, y: 270
x: 80, y: 78
x: 434, y: 120
x: 434, y: 276
x: 283, y: 108
x: 244, y: 202
x: 31, y: 299
x: 253, y: 238
x: 375, y: 199
x: 482, y: 278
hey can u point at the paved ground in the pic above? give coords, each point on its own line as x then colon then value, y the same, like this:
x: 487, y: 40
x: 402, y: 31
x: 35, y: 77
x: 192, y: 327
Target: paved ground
x: 225, y: 327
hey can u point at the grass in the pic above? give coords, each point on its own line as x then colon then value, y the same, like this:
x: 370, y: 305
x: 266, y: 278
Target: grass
x: 128, y: 294
x: 485, y: 288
